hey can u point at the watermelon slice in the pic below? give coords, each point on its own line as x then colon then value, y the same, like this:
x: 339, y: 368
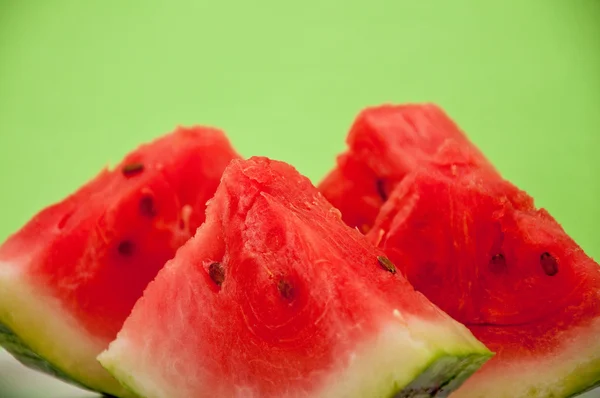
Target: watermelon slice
x: 477, y: 247
x: 276, y: 297
x: 69, y: 278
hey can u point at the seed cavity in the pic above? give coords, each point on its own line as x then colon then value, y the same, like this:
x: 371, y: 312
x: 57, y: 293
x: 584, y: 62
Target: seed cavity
x: 132, y: 169
x: 498, y: 263
x: 125, y: 248
x: 549, y: 264
x: 285, y: 289
x: 380, y: 183
x: 216, y: 273
x: 146, y: 206
x: 386, y: 264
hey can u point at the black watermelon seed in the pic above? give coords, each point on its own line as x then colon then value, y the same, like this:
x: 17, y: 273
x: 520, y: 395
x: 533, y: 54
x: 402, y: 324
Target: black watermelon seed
x: 147, y: 208
x: 497, y: 263
x: 63, y: 221
x: 386, y: 264
x: 216, y: 273
x: 125, y: 248
x: 132, y: 169
x: 381, y: 189
x: 549, y: 264
x: 286, y: 289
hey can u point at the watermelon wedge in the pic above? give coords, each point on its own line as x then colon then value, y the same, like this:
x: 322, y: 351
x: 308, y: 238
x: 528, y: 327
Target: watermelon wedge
x: 477, y: 247
x: 69, y: 277
x: 276, y: 297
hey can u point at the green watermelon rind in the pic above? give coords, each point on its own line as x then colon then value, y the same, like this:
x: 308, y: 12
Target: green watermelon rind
x: 441, y: 376
x: 124, y: 379
x: 584, y: 375
x: 31, y: 324
x: 26, y: 356
x: 581, y: 385
x: 446, y: 366
x: 585, y: 389
x: 569, y: 370
x: 438, y: 378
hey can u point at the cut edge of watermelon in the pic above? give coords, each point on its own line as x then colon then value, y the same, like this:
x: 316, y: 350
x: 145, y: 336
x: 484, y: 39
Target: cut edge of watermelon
x: 434, y: 368
x: 32, y: 320
x: 583, y: 371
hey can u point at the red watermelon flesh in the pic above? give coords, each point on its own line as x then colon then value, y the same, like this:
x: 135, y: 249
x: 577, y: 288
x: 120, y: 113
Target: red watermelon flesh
x: 461, y: 242
x: 512, y: 275
x: 378, y: 157
x: 90, y: 256
x: 276, y: 297
x: 477, y: 246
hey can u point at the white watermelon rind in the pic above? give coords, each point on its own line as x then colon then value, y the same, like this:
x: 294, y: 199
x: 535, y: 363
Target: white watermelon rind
x: 568, y: 371
x: 20, y: 351
x: 440, y: 377
x: 400, y: 361
x: 42, y: 335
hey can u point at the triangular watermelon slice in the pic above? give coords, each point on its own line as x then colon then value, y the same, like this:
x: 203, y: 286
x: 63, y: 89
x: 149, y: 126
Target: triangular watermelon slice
x: 476, y: 246
x: 276, y: 297
x: 69, y: 278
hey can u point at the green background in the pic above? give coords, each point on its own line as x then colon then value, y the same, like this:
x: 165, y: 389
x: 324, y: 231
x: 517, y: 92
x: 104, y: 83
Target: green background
x: 83, y: 82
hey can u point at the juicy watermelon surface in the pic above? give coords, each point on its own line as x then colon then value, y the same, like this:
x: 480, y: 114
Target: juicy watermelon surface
x: 69, y: 277
x: 367, y: 174
x: 477, y: 247
x: 276, y: 297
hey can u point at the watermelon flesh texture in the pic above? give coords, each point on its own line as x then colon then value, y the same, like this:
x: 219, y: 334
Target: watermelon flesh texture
x: 511, y: 274
x: 477, y: 247
x: 70, y: 276
x: 378, y: 158
x: 276, y: 297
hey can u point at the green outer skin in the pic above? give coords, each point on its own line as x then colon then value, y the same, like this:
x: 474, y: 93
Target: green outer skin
x: 127, y: 382
x: 442, y: 376
x: 580, y: 384
x: 586, y: 389
x: 446, y: 374
x: 18, y: 349
x: 21, y: 334
x: 439, y: 378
